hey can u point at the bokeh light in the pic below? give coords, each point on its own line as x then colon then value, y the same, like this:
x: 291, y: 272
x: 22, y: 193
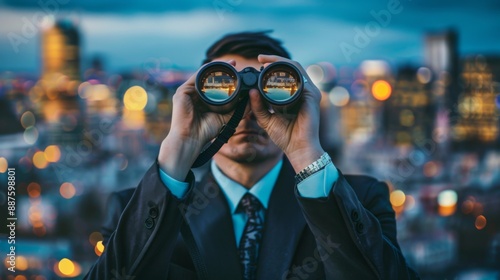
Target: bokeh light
x: 409, y: 202
x: 447, y: 202
x: 406, y: 118
x: 397, y: 198
x: 447, y: 198
x: 67, y: 190
x: 3, y: 165
x: 381, y: 90
x: 21, y: 263
x: 99, y: 248
x: 135, y: 98
x: 39, y: 160
x: 424, y: 75
x: 67, y: 268
x: 339, y: 96
x: 316, y: 73
x: 28, y: 119
x: 467, y: 206
x: 30, y: 135
x: 480, y: 222
x: 431, y: 169
x: 52, y: 153
x: 34, y: 190
x: 95, y: 237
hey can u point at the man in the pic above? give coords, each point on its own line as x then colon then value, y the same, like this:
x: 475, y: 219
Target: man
x: 250, y: 217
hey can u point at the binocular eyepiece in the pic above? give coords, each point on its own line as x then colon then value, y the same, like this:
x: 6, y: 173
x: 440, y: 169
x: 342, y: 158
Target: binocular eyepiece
x: 220, y: 86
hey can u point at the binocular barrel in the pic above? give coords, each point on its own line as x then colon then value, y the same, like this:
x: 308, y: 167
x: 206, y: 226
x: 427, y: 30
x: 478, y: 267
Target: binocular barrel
x: 220, y: 86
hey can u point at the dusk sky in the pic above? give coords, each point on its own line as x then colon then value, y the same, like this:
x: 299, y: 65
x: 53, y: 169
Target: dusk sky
x: 131, y: 34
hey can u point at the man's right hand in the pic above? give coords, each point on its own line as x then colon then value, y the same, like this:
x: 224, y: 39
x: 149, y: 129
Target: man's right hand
x: 192, y: 127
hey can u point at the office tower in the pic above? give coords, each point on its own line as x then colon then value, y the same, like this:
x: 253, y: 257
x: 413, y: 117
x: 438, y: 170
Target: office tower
x: 441, y: 57
x: 59, y: 104
x: 475, y: 126
x: 409, y: 113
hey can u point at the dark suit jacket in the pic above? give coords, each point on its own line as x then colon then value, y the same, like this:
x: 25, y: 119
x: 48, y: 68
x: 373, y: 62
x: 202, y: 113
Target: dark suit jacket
x: 351, y: 234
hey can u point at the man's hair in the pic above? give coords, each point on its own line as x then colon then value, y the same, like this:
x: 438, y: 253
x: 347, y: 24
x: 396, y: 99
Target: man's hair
x: 247, y: 45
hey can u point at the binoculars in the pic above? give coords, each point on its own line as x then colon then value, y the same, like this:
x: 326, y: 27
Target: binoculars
x: 221, y: 87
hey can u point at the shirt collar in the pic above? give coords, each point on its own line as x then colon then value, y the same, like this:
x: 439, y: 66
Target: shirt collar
x: 234, y: 191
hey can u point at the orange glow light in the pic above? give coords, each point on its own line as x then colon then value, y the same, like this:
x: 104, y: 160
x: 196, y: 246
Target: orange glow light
x: 99, y: 248
x: 397, y: 198
x: 52, y: 153
x: 381, y: 90
x: 39, y: 160
x: 95, y: 237
x: 447, y: 210
x: 21, y: 263
x: 66, y: 268
x: 67, y: 190
x: 3, y: 165
x: 480, y: 222
x: 34, y: 190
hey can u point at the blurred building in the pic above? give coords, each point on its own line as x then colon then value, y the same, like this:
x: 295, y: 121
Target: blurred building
x: 370, y: 87
x: 56, y: 91
x: 476, y: 123
x: 441, y: 57
x: 409, y: 112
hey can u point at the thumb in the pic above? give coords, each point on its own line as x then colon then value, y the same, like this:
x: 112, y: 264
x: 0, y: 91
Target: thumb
x: 259, y: 108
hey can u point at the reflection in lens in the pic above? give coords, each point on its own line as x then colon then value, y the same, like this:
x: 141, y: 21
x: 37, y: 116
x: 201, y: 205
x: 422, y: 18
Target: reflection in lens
x: 280, y: 85
x: 218, y: 85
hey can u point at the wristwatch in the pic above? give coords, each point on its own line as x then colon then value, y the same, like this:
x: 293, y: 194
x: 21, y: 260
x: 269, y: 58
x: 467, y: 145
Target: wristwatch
x: 312, y: 168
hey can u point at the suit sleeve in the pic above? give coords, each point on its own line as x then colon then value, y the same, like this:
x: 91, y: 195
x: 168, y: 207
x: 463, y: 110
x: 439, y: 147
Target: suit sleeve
x: 131, y: 246
x: 356, y: 237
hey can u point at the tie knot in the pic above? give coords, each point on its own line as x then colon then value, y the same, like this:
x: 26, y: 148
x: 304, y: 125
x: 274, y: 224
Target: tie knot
x: 250, y: 204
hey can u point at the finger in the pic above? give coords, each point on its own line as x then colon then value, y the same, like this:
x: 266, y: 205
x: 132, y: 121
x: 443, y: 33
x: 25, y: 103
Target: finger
x: 265, y: 58
x: 259, y: 109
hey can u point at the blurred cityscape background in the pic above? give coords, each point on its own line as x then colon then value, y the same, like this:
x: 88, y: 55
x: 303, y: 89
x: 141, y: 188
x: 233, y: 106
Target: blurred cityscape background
x: 411, y: 95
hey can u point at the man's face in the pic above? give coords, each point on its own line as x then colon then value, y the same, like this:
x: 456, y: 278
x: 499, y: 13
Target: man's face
x: 250, y: 143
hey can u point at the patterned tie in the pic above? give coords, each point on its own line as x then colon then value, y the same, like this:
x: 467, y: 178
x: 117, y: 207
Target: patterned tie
x: 252, y: 234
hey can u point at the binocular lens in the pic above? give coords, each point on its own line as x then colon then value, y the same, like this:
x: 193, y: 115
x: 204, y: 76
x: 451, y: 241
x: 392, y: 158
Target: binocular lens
x: 218, y: 85
x: 280, y: 85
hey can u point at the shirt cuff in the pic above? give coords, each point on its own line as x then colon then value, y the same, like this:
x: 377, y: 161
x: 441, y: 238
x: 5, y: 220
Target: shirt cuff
x: 319, y: 184
x: 177, y: 188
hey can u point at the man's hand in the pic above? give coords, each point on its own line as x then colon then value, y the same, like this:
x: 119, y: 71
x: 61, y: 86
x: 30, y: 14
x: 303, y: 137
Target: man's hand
x: 192, y: 127
x: 297, y: 136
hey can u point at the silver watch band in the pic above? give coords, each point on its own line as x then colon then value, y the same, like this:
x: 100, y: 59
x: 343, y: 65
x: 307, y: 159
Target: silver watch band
x: 312, y: 168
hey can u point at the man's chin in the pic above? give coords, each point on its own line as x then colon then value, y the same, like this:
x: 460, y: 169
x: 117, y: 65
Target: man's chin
x: 245, y: 152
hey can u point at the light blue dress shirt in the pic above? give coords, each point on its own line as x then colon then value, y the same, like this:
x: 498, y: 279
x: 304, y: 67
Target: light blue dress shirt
x: 315, y: 186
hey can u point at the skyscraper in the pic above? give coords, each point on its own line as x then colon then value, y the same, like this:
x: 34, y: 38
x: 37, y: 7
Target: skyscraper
x: 441, y: 57
x: 59, y: 104
x: 409, y: 113
x: 476, y: 123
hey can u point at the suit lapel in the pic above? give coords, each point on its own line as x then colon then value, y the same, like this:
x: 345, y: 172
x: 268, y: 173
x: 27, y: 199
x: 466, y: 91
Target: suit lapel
x: 212, y: 227
x: 284, y: 225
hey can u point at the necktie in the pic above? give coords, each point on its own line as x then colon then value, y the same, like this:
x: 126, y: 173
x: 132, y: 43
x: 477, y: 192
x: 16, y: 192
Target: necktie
x: 252, y: 234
